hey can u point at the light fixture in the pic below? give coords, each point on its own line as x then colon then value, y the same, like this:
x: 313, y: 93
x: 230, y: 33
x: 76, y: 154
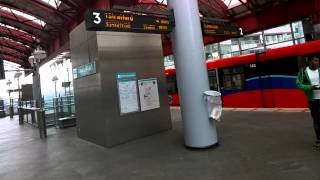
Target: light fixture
x: 55, y: 78
x: 32, y: 60
x: 39, y: 53
x: 9, y: 82
x: 17, y: 75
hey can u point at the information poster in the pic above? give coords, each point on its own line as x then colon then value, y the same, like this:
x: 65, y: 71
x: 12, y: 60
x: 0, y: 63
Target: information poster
x: 127, y: 90
x: 149, y: 95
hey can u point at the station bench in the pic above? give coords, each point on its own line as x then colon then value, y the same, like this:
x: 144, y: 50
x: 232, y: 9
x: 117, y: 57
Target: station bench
x: 64, y: 122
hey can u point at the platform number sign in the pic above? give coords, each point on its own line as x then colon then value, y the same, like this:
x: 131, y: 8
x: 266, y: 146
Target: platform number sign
x: 97, y: 18
x: 2, y: 73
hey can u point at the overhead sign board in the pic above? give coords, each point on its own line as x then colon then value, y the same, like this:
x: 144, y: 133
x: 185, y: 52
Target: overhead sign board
x: 216, y: 28
x: 97, y: 20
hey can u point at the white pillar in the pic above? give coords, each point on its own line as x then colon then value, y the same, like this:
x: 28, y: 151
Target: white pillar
x: 192, y: 76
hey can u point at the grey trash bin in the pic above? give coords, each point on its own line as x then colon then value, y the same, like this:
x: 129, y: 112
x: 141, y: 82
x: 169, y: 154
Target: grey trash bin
x: 214, y: 104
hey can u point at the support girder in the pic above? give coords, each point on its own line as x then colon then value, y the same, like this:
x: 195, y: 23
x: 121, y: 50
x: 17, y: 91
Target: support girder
x: 13, y: 52
x: 38, y: 9
x: 17, y: 34
x: 13, y: 59
x: 15, y: 45
x: 23, y: 24
x: 217, y: 10
x: 52, y: 22
x: 15, y: 38
x: 15, y: 49
x: 9, y: 54
x: 285, y: 12
x: 20, y: 19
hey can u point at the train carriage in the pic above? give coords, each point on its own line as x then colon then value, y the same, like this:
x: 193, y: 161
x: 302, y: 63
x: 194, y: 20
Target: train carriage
x: 265, y: 79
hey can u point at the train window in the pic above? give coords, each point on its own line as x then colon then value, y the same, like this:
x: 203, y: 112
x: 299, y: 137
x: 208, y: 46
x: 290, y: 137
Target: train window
x: 172, y: 84
x: 233, y: 78
x: 213, y: 80
x: 287, y: 66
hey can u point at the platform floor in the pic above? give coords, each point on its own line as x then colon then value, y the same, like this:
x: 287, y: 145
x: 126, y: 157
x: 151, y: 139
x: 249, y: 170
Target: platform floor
x: 253, y: 146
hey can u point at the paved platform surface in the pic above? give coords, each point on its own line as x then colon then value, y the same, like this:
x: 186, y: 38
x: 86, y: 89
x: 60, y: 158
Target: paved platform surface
x: 254, y: 145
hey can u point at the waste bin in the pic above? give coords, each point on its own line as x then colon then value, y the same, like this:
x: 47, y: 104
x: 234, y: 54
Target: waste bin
x: 214, y: 104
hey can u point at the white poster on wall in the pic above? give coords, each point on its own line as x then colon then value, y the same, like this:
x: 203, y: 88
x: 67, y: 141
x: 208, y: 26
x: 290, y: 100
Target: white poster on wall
x: 128, y: 95
x: 149, y: 94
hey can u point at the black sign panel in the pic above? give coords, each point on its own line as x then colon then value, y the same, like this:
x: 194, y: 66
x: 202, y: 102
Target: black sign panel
x: 215, y: 28
x: 97, y: 20
x: 2, y: 73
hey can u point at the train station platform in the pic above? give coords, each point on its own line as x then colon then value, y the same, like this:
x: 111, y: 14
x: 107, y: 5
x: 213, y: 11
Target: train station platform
x: 254, y: 145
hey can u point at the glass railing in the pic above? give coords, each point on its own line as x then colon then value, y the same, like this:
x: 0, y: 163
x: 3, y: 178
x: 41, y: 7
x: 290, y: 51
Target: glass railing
x: 6, y: 106
x: 58, y: 107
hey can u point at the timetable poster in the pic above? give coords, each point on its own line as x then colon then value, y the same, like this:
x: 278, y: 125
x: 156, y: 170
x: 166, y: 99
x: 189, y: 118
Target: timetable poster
x: 149, y: 95
x: 127, y: 90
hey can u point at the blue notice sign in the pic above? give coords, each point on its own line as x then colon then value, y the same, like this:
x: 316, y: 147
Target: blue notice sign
x: 84, y: 70
x: 129, y: 76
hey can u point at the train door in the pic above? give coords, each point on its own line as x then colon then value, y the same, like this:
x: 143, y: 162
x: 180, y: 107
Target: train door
x: 278, y: 88
x: 265, y: 82
x: 253, y: 85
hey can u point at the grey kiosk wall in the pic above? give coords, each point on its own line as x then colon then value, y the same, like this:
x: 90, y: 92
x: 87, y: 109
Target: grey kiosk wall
x: 107, y: 109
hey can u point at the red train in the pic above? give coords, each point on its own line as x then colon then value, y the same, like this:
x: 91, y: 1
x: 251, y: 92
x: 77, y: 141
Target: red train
x: 266, y: 79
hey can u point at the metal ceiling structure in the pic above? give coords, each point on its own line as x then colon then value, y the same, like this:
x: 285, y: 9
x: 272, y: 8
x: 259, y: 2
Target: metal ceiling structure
x: 24, y: 24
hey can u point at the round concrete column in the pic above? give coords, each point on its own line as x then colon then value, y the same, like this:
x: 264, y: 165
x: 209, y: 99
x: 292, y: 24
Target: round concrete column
x: 192, y: 76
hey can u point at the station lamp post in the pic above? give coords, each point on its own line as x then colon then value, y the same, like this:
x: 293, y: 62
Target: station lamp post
x: 55, y: 79
x: 10, y: 100
x: 34, y: 61
x: 8, y: 84
x: 17, y: 76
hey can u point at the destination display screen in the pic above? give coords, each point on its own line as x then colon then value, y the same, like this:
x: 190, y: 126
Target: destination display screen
x: 219, y: 29
x: 97, y: 20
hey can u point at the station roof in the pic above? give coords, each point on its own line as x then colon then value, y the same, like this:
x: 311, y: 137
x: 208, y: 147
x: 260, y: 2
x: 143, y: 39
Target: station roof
x: 24, y: 24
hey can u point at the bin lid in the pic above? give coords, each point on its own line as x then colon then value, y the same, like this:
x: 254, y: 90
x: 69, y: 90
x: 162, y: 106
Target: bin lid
x: 212, y: 93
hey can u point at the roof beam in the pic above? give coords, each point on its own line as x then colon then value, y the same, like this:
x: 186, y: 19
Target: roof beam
x: 18, y: 18
x: 35, y: 7
x: 71, y: 4
x: 23, y: 24
x: 15, y: 38
x: 290, y: 11
x: 221, y: 12
x: 247, y: 6
x: 14, y: 44
x: 16, y: 49
x: 11, y: 52
x: 18, y: 34
x: 13, y: 59
x: 45, y: 17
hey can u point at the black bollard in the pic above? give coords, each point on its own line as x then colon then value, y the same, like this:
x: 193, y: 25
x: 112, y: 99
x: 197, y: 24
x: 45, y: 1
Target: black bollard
x: 20, y: 112
x: 42, y: 125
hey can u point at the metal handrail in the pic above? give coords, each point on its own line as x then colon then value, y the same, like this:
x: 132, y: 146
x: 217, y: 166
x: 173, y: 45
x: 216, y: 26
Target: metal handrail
x: 41, y: 121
